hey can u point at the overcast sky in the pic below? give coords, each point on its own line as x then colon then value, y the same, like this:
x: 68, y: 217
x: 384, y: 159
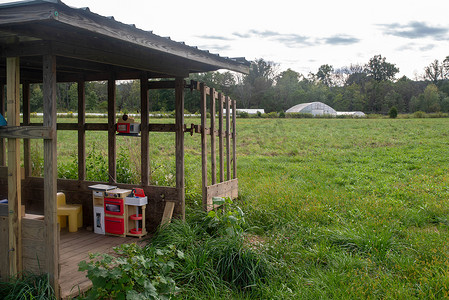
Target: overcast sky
x: 301, y: 35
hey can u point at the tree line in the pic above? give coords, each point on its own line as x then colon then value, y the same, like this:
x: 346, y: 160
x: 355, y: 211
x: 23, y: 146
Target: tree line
x: 371, y: 88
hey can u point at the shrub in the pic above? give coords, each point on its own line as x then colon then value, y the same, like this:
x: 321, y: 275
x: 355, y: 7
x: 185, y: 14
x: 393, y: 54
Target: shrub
x: 136, y: 273
x: 419, y: 114
x: 393, y: 113
x: 242, y: 114
x: 298, y: 115
x: 229, y: 220
x: 272, y: 115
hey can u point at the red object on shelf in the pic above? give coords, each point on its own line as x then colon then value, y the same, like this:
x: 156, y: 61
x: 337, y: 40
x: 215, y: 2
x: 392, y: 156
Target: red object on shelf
x: 136, y: 217
x: 114, y: 225
x: 138, y: 192
x: 136, y: 231
x: 123, y: 127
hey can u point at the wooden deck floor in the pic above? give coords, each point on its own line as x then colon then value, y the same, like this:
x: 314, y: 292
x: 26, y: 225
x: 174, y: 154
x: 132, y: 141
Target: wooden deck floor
x: 75, y: 247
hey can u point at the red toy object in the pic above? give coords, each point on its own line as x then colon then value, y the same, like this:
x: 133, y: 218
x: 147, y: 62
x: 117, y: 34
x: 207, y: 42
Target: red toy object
x: 115, y: 225
x: 136, y: 217
x: 138, y: 192
x: 136, y: 231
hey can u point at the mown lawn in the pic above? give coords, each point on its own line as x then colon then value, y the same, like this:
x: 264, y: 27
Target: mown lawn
x: 344, y: 209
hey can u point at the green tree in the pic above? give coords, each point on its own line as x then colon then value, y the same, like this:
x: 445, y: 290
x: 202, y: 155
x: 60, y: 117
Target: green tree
x: 434, y: 71
x: 253, y: 86
x: 36, y: 98
x: 324, y: 74
x: 393, y: 112
x: 287, y: 91
x: 380, y: 70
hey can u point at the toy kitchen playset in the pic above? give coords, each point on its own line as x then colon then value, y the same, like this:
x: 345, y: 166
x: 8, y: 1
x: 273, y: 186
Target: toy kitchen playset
x: 117, y: 211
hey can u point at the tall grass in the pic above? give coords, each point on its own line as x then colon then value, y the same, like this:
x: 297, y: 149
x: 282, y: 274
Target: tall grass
x: 339, y: 209
x: 28, y: 286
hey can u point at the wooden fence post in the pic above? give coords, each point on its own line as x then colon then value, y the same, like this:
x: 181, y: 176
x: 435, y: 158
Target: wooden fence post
x: 203, y: 144
x: 220, y: 136
x: 179, y: 128
x: 81, y: 130
x: 228, y: 139
x: 144, y: 130
x: 213, y: 155
x: 26, y: 121
x: 112, y: 151
x: 50, y: 172
x: 14, y: 184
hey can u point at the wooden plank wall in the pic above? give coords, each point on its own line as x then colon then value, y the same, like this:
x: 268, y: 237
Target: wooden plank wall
x: 226, y: 187
x: 2, y: 112
x: 4, y: 260
x: 34, y: 253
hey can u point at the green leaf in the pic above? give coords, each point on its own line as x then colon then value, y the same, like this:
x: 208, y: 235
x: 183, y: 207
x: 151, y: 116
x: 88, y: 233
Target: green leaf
x: 218, y: 200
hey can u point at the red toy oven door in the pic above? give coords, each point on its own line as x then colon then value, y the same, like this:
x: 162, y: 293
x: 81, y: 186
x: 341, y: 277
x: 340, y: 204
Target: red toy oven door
x: 113, y: 206
x: 123, y: 127
x: 114, y: 225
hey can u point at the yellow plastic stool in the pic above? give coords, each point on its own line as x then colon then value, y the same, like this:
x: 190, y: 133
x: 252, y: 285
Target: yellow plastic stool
x: 72, y: 212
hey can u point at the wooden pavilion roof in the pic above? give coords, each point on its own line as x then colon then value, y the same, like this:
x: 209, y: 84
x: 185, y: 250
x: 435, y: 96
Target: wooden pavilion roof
x: 91, y: 46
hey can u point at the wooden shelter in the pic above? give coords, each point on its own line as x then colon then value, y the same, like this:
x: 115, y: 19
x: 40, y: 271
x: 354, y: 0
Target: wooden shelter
x: 47, y: 42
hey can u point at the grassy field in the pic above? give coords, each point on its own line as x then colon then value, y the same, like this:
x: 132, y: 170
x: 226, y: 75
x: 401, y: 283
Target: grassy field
x: 342, y: 208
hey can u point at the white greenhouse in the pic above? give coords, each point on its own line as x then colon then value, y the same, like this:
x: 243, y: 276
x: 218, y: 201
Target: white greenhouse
x: 320, y: 109
x: 314, y: 108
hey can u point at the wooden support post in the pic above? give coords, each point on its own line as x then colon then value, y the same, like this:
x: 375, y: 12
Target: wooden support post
x: 26, y: 121
x: 220, y: 137
x: 112, y: 152
x: 81, y: 130
x: 144, y: 130
x: 203, y: 108
x: 213, y: 155
x: 50, y: 172
x: 14, y: 183
x: 179, y: 115
x: 234, y: 142
x: 228, y: 139
x: 2, y: 112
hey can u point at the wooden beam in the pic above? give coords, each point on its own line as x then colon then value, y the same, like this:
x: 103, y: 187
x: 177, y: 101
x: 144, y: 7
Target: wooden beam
x: 14, y: 183
x: 26, y: 93
x: 220, y: 136
x: 144, y: 130
x: 27, y: 132
x: 2, y: 112
x: 213, y: 155
x: 203, y: 101
x: 228, y: 138
x: 152, y: 127
x: 160, y: 85
x: 234, y: 142
x: 50, y: 172
x: 81, y: 130
x: 112, y: 151
x: 179, y: 146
